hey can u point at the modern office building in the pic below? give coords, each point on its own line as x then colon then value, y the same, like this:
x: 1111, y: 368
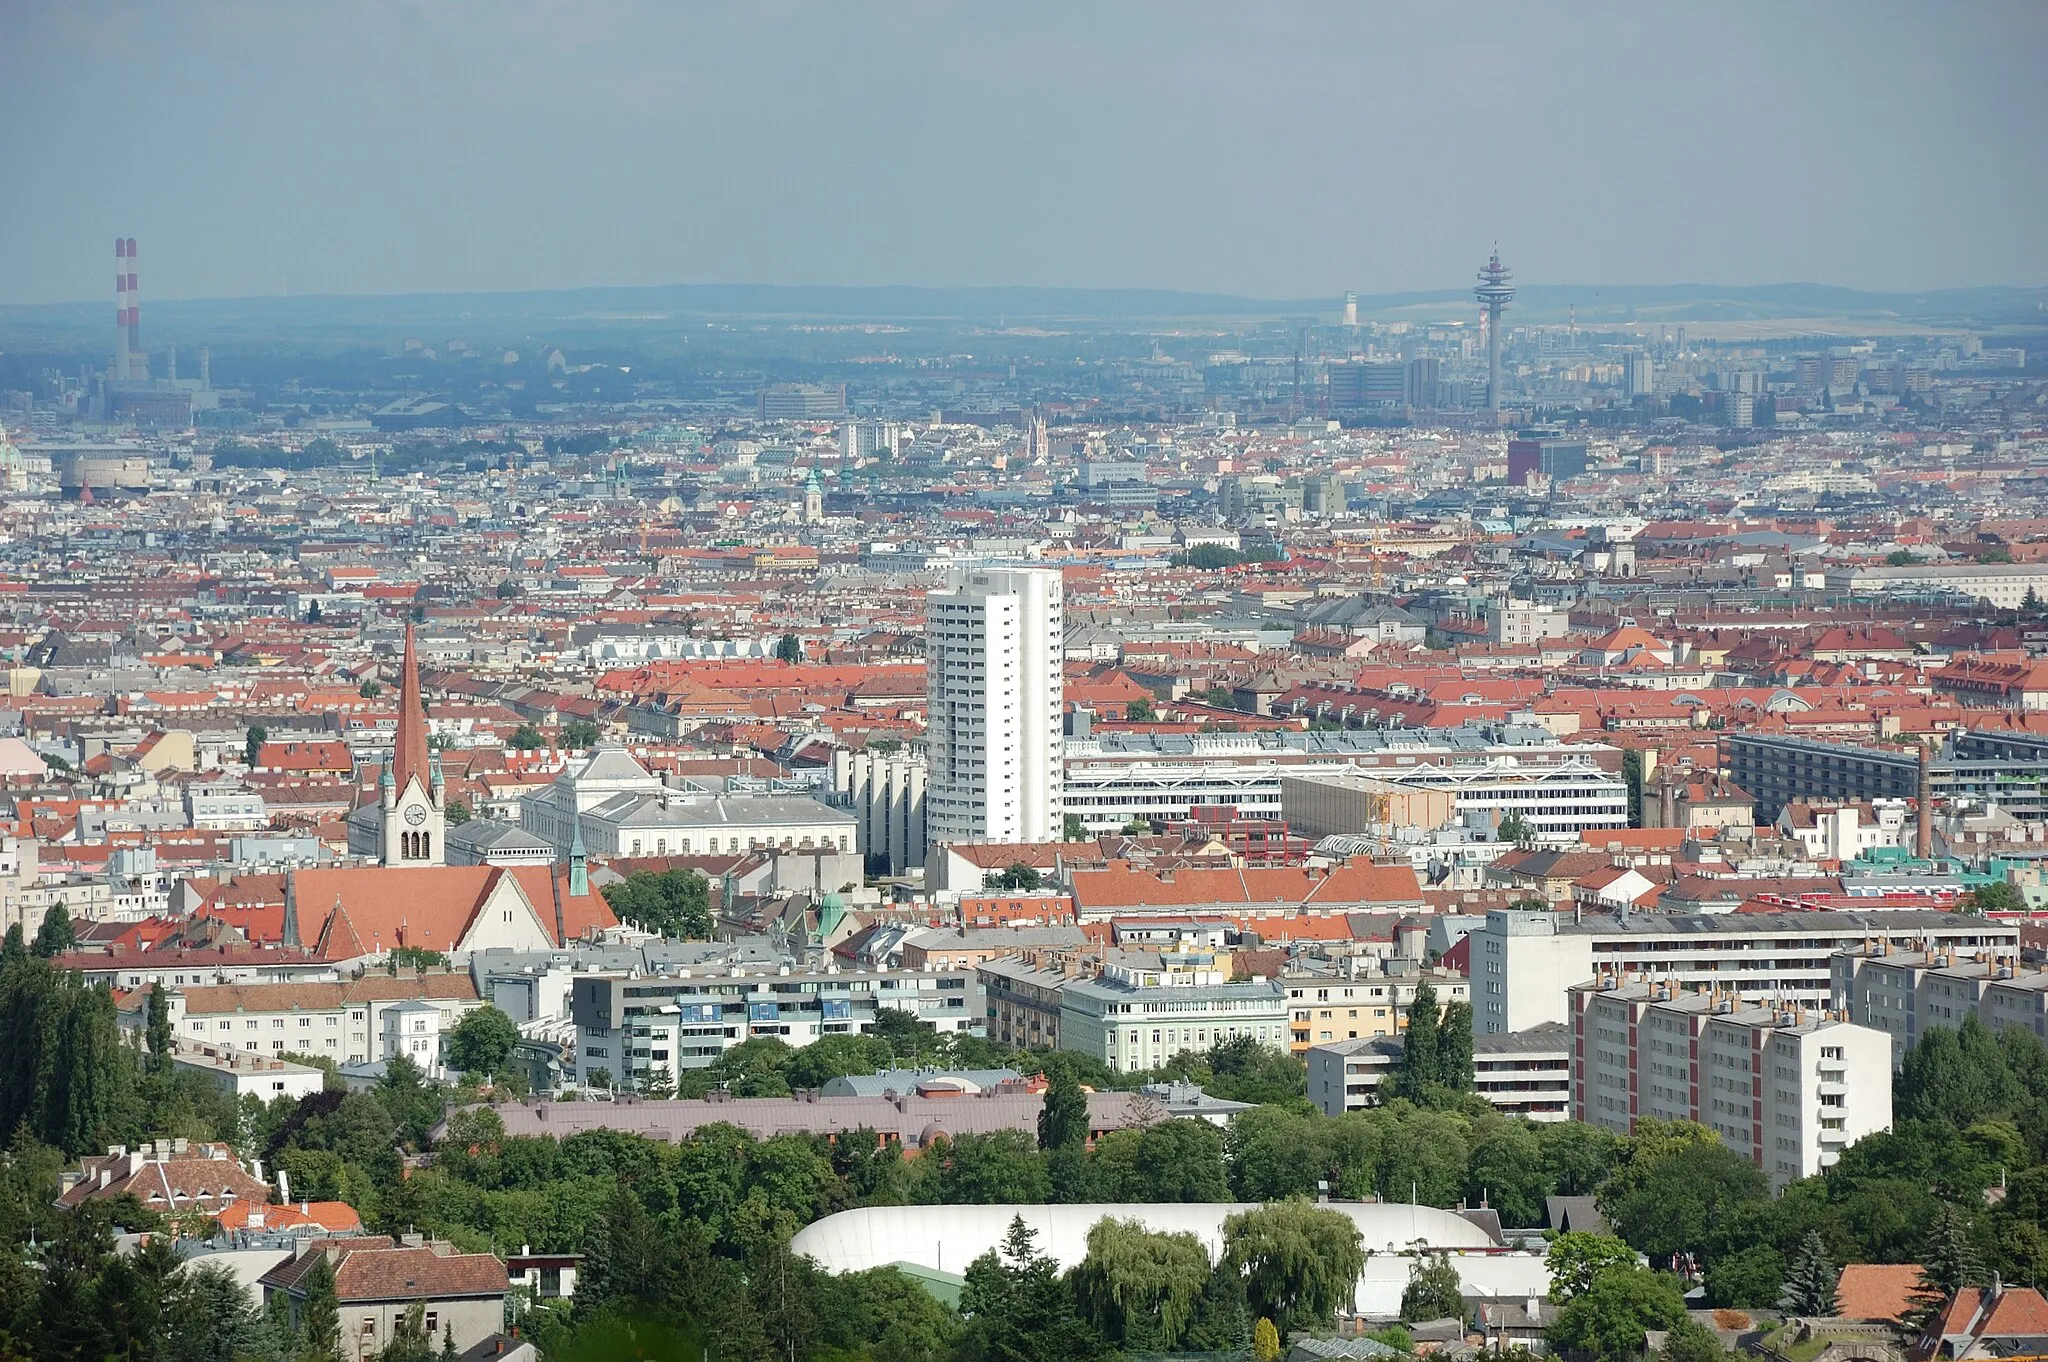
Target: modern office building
x: 993, y: 744
x: 1523, y: 962
x: 1560, y: 789
x: 2009, y: 770
x: 1368, y: 384
x: 1785, y: 1087
x: 1548, y: 455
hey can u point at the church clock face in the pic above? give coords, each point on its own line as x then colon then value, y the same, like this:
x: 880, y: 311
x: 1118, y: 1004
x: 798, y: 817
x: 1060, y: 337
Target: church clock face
x: 416, y: 815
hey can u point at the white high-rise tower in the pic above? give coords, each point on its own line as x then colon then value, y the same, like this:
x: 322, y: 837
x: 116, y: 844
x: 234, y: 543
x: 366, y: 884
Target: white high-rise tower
x: 993, y: 650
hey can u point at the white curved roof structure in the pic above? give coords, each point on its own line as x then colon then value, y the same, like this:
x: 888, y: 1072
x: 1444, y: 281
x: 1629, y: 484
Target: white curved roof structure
x: 948, y: 1238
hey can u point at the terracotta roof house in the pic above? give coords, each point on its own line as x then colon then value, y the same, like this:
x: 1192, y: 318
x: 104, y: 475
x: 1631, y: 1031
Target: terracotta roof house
x: 378, y: 1279
x: 170, y: 1177
x: 350, y: 913
x: 1876, y: 1293
x: 1122, y: 890
x: 1994, y: 1321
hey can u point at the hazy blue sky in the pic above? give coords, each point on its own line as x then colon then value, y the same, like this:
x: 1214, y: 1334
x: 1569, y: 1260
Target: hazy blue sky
x: 1267, y: 149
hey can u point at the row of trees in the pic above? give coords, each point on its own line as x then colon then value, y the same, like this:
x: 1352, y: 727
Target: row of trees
x: 659, y: 1285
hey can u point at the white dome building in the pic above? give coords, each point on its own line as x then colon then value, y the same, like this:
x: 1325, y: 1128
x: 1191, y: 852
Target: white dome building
x: 945, y: 1239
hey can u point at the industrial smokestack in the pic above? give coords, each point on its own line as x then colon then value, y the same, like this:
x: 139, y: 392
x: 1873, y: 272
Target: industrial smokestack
x: 121, y: 309
x: 134, y: 312
x: 1923, y: 840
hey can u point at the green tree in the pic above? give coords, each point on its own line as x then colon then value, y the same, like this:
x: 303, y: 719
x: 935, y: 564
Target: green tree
x: 1748, y: 1279
x: 1300, y: 1263
x: 1680, y: 1187
x: 1419, y: 1050
x: 1072, y: 829
x: 1576, y: 1257
x: 14, y: 948
x: 481, y: 1042
x: 672, y: 903
x: 369, y: 690
x: 1063, y: 1120
x: 1019, y: 1310
x: 1607, y: 1322
x: 320, y: 1316
x: 1632, y: 778
x: 1141, y: 1290
x: 1517, y: 829
x: 580, y: 734
x: 1018, y: 878
x: 1956, y: 1077
x: 2000, y: 896
x: 416, y: 958
x: 1690, y: 1341
x: 1950, y: 1262
x: 1810, y: 1285
x: 1505, y: 1169
x: 508, y: 590
x: 159, y: 1029
x: 457, y: 813
x: 526, y: 738
x: 54, y: 936
x: 409, y: 1339
x: 1139, y: 711
x: 830, y: 1057
x: 252, y: 743
x: 789, y: 648
x: 1454, y: 1047
x: 1003, y: 1167
x: 1434, y: 1291
x: 1210, y: 557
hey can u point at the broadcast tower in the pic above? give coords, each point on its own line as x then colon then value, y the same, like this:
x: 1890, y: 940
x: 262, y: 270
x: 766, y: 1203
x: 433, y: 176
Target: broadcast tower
x: 1494, y: 292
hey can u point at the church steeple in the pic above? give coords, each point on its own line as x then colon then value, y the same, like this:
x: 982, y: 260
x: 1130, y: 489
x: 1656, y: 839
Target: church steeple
x: 412, y: 826
x: 409, y: 756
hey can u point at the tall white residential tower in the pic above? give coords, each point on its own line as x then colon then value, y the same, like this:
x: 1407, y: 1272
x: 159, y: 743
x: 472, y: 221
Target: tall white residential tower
x: 993, y: 640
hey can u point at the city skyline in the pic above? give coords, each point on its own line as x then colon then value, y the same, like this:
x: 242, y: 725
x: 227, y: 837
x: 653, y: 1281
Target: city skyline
x: 432, y: 151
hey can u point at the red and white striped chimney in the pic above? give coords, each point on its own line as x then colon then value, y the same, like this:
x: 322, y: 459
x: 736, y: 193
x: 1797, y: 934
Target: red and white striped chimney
x: 121, y: 309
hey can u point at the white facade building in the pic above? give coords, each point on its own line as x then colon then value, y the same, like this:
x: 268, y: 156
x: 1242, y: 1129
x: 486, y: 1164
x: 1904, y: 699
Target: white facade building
x: 1521, y: 1073
x: 1523, y: 963
x: 1560, y: 789
x: 619, y: 808
x: 1130, y: 1025
x: 886, y: 793
x: 993, y: 641
x: 1786, y: 1088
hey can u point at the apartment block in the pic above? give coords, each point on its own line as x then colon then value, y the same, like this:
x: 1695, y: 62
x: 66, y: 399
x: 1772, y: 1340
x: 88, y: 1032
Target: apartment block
x: 1785, y: 1087
x: 1322, y: 1008
x: 1905, y: 993
x: 630, y: 1024
x: 1522, y: 962
x: 1521, y: 1073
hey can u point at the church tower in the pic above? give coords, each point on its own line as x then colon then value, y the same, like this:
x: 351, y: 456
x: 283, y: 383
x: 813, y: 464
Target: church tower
x: 413, y: 829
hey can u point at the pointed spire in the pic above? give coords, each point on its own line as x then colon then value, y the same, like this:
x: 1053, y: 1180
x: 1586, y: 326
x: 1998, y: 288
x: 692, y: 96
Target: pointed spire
x: 579, y: 861
x: 409, y: 745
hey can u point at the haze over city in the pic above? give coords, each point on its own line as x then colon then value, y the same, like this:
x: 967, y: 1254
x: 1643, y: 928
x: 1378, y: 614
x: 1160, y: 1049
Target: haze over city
x: 1275, y: 153
x: 957, y: 683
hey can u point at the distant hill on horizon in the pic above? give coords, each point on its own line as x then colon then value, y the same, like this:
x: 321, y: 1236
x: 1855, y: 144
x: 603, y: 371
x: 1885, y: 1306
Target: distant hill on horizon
x: 643, y: 307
